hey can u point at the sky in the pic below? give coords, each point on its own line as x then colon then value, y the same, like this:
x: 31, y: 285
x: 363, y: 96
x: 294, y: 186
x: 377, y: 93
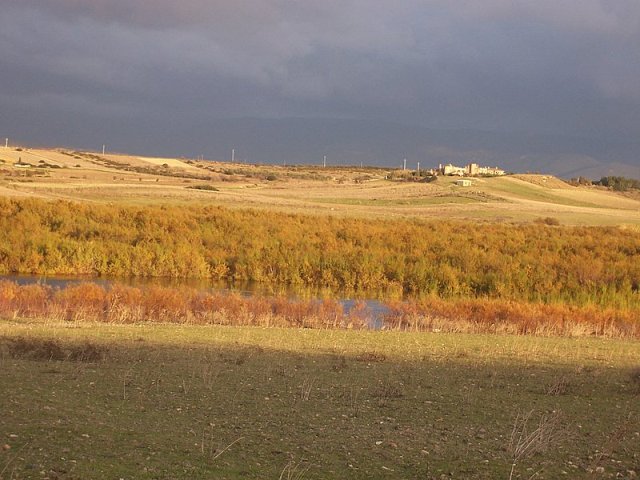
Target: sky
x: 149, y: 76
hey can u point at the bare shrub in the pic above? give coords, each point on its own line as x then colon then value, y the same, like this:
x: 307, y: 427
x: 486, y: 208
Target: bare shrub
x: 294, y: 470
x: 340, y: 364
x: 87, y: 352
x: 558, y: 387
x: 306, y: 388
x: 371, y: 357
x: 387, y: 390
x: 634, y: 376
x: 551, y: 221
x: 34, y: 348
x: 39, y: 349
x: 528, y: 438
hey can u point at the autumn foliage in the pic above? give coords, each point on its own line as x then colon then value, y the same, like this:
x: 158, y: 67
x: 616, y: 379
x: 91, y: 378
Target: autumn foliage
x: 499, y: 316
x: 532, y: 263
x: 90, y: 302
x: 126, y: 304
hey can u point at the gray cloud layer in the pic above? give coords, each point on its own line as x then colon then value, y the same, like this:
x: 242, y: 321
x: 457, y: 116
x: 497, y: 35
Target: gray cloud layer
x: 114, y: 67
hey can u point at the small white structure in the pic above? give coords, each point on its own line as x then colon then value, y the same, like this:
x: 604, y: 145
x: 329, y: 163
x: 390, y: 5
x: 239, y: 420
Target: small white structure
x: 463, y: 182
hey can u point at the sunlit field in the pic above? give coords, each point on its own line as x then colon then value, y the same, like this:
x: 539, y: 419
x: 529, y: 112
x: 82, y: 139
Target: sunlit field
x: 161, y: 401
x: 336, y: 191
x: 506, y: 345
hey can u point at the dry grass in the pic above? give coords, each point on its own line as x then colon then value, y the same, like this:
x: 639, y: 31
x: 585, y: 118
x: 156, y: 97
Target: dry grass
x: 312, y: 190
x: 496, y: 316
x: 529, y: 438
x: 121, y: 304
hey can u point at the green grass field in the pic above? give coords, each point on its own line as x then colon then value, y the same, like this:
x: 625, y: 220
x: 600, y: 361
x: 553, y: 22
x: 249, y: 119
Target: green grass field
x: 188, y: 402
x: 523, y: 191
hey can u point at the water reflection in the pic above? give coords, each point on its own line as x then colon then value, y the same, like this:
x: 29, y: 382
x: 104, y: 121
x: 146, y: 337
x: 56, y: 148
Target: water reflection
x: 368, y: 308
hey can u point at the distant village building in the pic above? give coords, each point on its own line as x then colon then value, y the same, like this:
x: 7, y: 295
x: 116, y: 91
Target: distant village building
x: 452, y: 170
x: 471, y: 170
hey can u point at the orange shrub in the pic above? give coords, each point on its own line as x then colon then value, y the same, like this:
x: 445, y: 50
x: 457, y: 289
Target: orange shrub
x: 85, y: 300
x: 125, y: 304
x: 33, y: 300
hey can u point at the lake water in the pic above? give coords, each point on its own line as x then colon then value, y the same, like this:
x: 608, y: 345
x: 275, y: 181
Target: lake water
x: 375, y: 308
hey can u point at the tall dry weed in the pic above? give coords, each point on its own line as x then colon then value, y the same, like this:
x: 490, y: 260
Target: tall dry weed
x: 126, y: 304
x: 499, y: 316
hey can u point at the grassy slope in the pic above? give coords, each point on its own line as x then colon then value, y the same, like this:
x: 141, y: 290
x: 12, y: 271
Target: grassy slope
x: 519, y: 190
x: 211, y: 402
x: 333, y: 191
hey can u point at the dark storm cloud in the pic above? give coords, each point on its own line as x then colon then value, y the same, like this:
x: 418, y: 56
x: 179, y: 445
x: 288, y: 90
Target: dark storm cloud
x: 564, y: 66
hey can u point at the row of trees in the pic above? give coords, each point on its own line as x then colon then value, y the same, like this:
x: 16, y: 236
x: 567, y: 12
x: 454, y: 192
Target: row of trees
x: 453, y: 260
x: 619, y: 184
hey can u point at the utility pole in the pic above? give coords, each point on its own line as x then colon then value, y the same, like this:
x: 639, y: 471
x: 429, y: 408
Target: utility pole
x: 404, y: 164
x: 233, y: 155
x: 418, y: 168
x: 324, y: 161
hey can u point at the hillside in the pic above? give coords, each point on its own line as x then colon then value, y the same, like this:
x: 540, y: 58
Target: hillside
x: 386, y: 143
x: 339, y: 191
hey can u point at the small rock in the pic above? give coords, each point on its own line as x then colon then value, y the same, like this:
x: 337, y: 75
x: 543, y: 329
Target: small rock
x: 6, y: 447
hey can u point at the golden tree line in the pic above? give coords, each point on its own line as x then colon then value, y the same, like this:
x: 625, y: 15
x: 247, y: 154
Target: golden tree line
x: 452, y: 260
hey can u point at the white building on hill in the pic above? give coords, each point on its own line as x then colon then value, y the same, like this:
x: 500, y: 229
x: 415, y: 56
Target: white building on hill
x: 471, y: 170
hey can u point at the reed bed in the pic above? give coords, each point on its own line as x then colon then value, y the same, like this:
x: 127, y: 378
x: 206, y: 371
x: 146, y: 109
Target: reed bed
x: 447, y: 259
x: 122, y: 304
x: 507, y: 317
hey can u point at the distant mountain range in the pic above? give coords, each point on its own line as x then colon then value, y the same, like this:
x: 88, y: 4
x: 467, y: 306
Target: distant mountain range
x: 352, y: 142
